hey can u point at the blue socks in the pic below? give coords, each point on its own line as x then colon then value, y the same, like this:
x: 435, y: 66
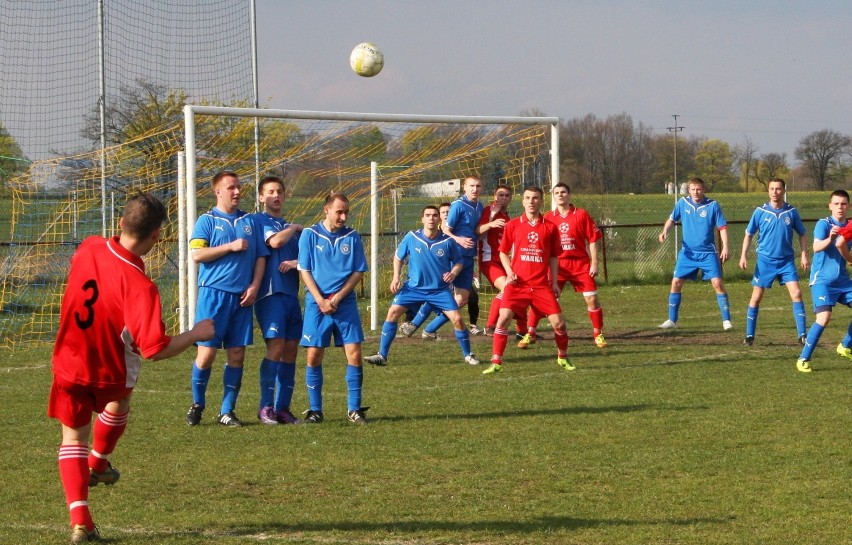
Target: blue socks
x: 388, y: 335
x: 751, y: 320
x: 313, y: 380
x: 813, y: 338
x: 199, y: 381
x: 847, y: 340
x: 354, y: 380
x: 422, y: 314
x: 232, y: 379
x: 436, y: 324
x: 286, y: 381
x: 674, y: 306
x: 463, y: 337
x: 799, y: 316
x: 268, y: 372
x: 724, y: 307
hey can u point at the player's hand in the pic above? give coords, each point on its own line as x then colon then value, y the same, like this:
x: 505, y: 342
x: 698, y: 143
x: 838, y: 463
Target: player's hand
x: 449, y: 276
x: 285, y: 266
x: 663, y: 236
x: 203, y: 330
x: 395, y: 285
x: 248, y: 297
x: 466, y: 242
x: 499, y: 223
x: 511, y: 277
x: 806, y: 262
x: 593, y: 270
x: 744, y: 263
x: 239, y: 245
x: 555, y: 288
x: 724, y: 255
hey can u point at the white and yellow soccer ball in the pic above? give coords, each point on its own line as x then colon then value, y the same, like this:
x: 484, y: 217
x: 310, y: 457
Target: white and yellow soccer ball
x: 366, y: 60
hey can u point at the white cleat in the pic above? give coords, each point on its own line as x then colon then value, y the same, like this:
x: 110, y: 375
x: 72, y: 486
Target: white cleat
x: 668, y: 324
x: 471, y: 360
x: 727, y: 325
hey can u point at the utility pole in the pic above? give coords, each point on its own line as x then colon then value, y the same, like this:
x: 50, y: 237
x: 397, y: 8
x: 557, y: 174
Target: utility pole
x: 674, y: 130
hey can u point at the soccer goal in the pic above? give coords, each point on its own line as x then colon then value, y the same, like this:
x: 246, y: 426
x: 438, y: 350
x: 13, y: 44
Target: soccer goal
x: 389, y: 165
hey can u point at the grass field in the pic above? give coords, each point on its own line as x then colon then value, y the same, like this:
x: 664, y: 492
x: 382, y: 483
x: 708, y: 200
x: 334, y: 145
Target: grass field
x: 683, y: 437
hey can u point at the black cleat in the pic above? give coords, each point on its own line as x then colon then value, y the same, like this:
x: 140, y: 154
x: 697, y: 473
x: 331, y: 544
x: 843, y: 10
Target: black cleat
x: 313, y: 417
x: 358, y: 417
x: 748, y: 341
x: 193, y: 415
x: 229, y: 419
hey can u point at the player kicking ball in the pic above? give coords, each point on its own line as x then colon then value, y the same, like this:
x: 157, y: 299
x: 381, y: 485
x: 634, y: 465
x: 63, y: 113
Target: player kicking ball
x: 434, y: 261
x: 532, y: 274
x: 111, y: 318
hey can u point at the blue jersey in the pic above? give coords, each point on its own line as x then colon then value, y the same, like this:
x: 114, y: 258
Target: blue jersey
x: 828, y: 266
x: 331, y: 258
x: 463, y: 218
x: 699, y: 221
x: 428, y: 259
x: 233, y: 272
x: 774, y: 229
x: 274, y: 281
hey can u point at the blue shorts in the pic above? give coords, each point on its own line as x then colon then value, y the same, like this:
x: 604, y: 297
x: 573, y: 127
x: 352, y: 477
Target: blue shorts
x: 345, y: 324
x: 828, y: 295
x: 279, y: 316
x: 465, y: 278
x: 688, y: 265
x: 766, y: 270
x: 413, y: 298
x: 233, y: 324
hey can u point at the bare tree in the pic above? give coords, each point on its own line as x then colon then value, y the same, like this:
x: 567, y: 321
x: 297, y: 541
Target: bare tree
x: 746, y: 157
x: 771, y: 165
x: 821, y: 153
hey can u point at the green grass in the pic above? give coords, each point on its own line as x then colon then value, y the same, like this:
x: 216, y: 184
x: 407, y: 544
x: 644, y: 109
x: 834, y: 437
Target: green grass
x: 683, y: 437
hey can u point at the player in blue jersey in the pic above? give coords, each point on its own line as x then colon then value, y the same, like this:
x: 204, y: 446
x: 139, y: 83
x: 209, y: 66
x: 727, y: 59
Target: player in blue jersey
x: 332, y: 262
x: 830, y: 282
x: 231, y: 258
x: 774, y: 224
x: 434, y: 262
x: 277, y: 308
x: 462, y: 226
x: 700, y: 217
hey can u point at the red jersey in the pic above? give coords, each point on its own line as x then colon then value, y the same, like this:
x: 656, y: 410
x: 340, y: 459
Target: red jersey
x: 489, y: 247
x: 576, y: 228
x: 111, y: 313
x: 846, y: 231
x: 534, y: 244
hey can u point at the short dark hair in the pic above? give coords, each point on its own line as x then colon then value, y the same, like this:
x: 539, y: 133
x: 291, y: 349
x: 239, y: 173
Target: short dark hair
x: 695, y: 180
x: 269, y: 179
x: 143, y: 214
x: 333, y: 196
x: 562, y: 185
x: 429, y: 207
x: 535, y: 189
x: 503, y: 186
x: 443, y: 204
x: 840, y: 193
x: 779, y: 180
x: 223, y: 174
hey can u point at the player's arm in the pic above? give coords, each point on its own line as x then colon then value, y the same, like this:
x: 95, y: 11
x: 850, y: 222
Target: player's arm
x: 201, y: 253
x: 282, y: 237
x: 554, y: 275
x: 803, y: 244
x: 347, y: 288
x: 725, y: 254
x: 202, y: 331
x: 453, y: 273
x: 396, y: 282
x: 664, y: 234
x: 843, y: 247
x: 312, y: 287
x: 746, y: 243
x: 822, y: 244
x: 593, y: 258
x: 248, y: 297
x: 507, y: 266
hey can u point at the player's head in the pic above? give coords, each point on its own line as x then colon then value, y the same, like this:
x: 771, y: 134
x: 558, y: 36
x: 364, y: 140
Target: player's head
x: 472, y: 187
x: 776, y: 189
x: 226, y: 187
x: 336, y: 211
x: 430, y: 217
x: 271, y: 193
x: 503, y: 196
x: 695, y: 186
x: 143, y: 217
x: 533, y: 197
x: 561, y: 194
x: 444, y: 211
x: 839, y: 203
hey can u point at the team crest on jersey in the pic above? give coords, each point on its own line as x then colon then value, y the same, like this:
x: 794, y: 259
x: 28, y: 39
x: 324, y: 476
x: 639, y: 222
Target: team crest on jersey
x: 787, y: 221
x: 440, y: 252
x: 563, y: 228
x: 532, y: 237
x: 345, y: 248
x: 247, y: 229
x: 703, y: 213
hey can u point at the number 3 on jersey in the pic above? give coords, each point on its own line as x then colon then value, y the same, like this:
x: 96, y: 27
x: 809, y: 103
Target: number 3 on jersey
x: 89, y: 304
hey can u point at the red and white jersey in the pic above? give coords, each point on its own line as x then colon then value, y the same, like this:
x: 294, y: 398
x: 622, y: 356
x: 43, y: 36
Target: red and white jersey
x: 576, y: 228
x: 489, y: 246
x: 111, y: 313
x: 532, y: 244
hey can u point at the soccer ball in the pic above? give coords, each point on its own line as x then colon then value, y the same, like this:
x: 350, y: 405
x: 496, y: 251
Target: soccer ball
x: 366, y: 60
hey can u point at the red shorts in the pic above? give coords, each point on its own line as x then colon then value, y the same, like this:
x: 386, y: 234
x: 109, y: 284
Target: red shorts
x: 576, y: 272
x: 541, y: 299
x: 73, y: 404
x: 492, y: 270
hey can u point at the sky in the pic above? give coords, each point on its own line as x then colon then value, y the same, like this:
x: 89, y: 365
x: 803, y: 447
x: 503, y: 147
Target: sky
x: 771, y: 72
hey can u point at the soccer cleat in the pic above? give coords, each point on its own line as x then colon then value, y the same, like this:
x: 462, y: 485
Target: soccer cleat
x: 471, y: 360
x: 109, y: 476
x: 526, y: 341
x: 284, y: 416
x: 803, y: 339
x: 312, y: 417
x: 407, y: 329
x: 493, y: 369
x: 489, y: 332
x: 193, y: 415
x: 79, y: 534
x: 727, y: 325
x: 229, y: 419
x: 668, y: 324
x: 843, y: 351
x: 358, y: 417
x: 748, y: 341
x: 476, y: 330
x: 376, y: 359
x: 429, y: 336
x: 267, y: 416
x: 565, y: 363
x: 803, y: 365
x: 600, y: 342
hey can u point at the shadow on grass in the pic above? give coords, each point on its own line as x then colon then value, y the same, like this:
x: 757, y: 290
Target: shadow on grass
x: 541, y: 412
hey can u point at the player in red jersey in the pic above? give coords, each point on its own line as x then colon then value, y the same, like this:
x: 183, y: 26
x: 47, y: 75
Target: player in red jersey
x: 110, y: 319
x: 577, y: 265
x: 491, y: 226
x: 531, y: 274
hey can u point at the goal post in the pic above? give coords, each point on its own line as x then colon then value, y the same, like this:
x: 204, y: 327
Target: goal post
x: 362, y: 155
